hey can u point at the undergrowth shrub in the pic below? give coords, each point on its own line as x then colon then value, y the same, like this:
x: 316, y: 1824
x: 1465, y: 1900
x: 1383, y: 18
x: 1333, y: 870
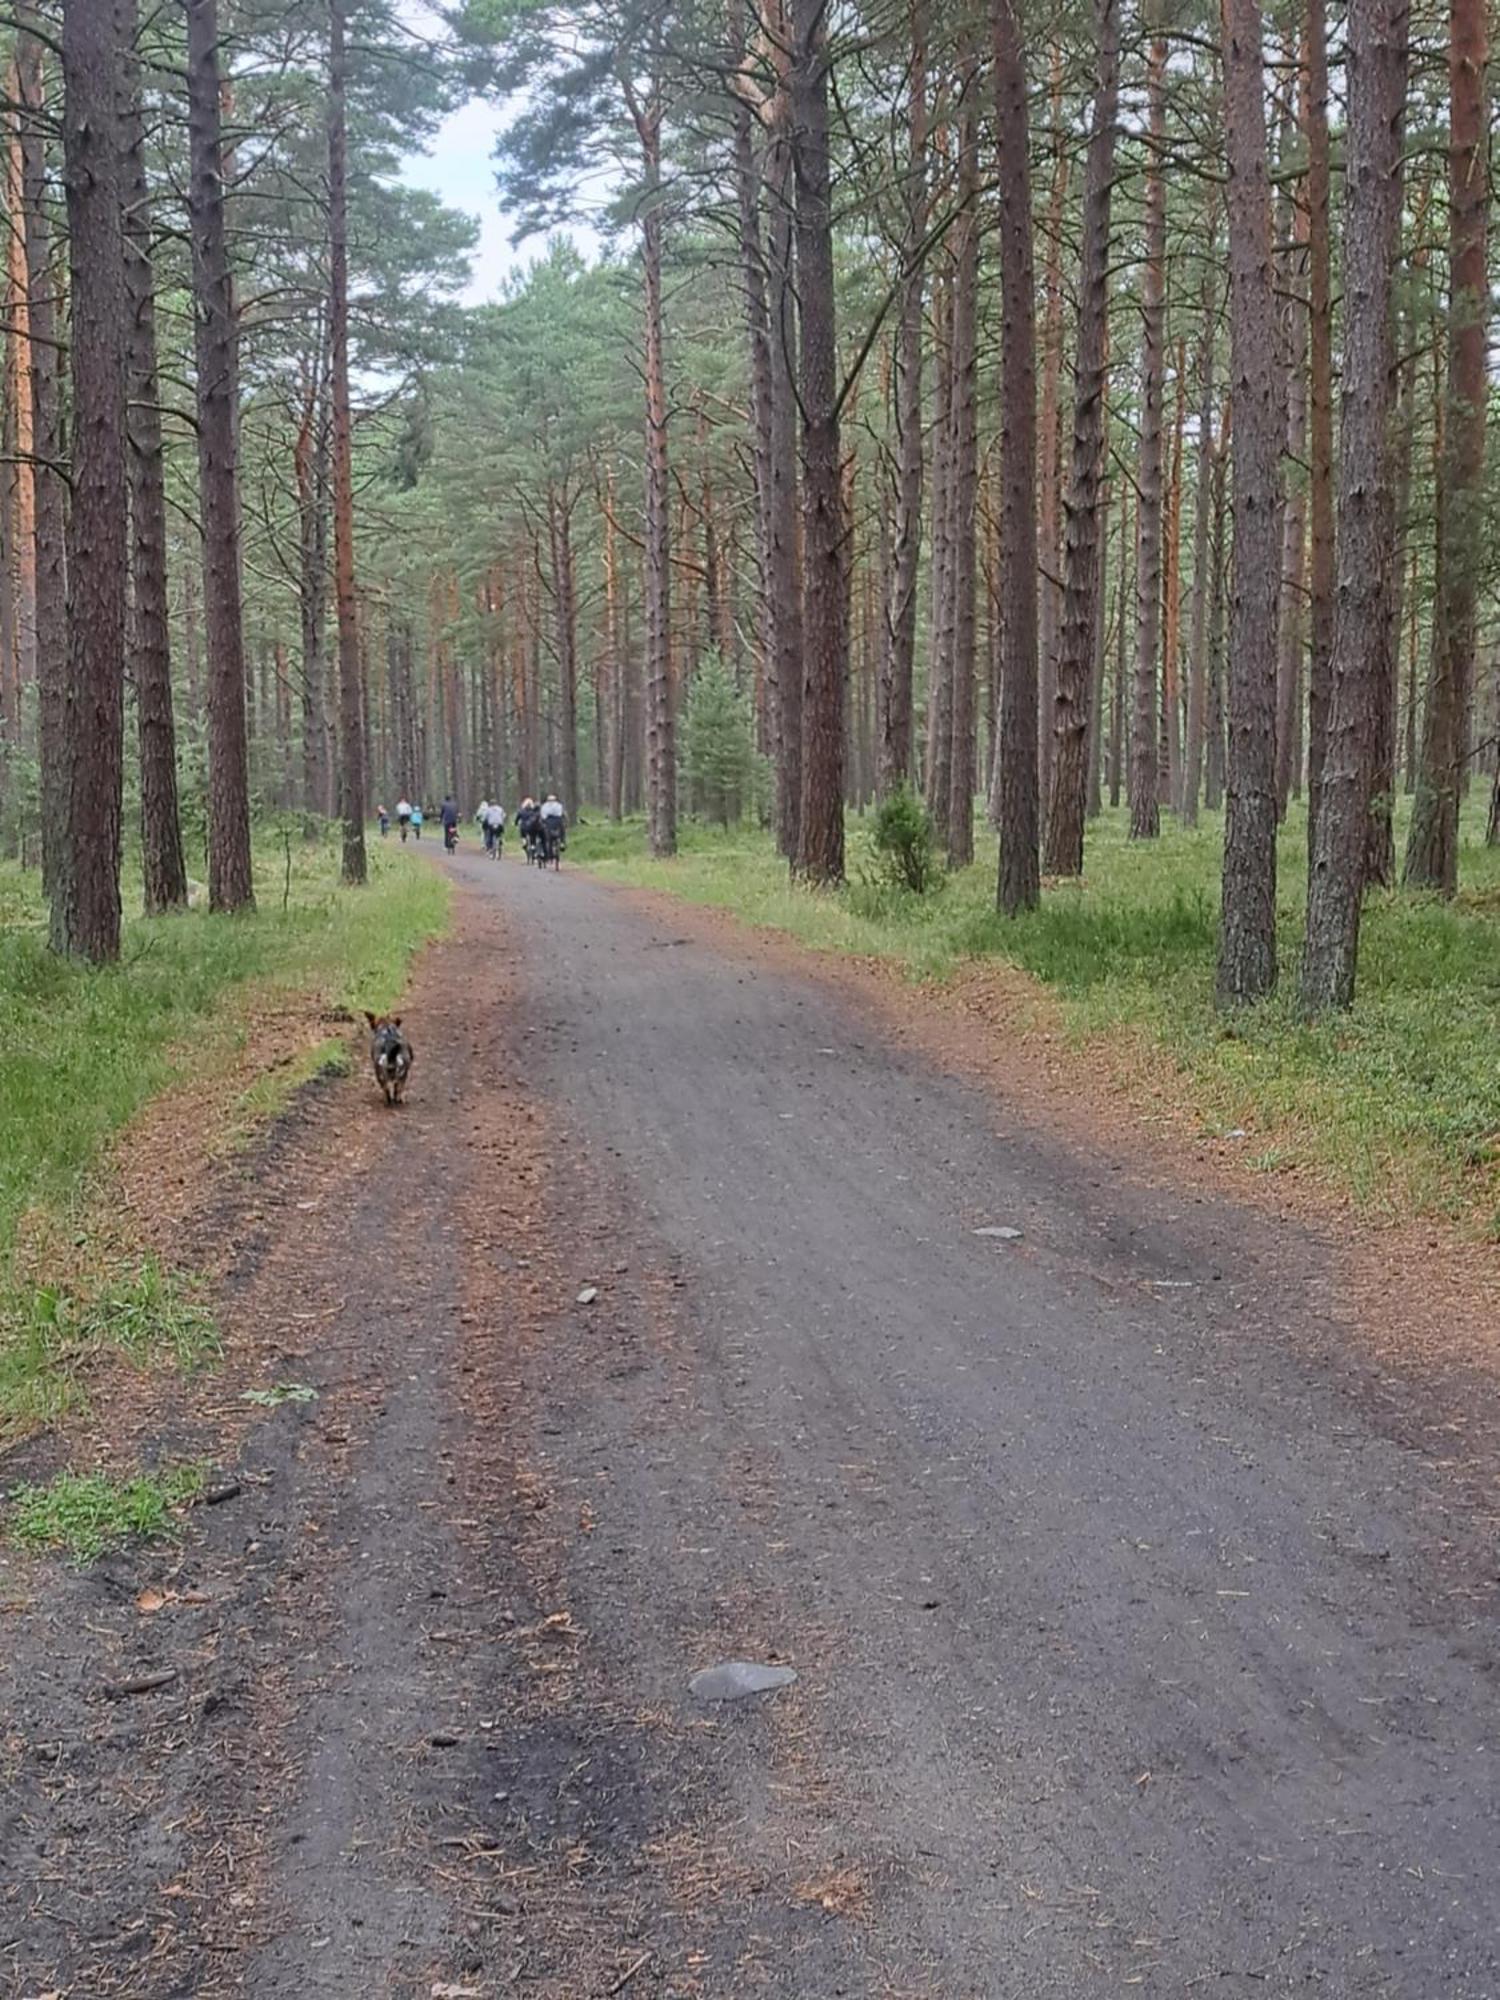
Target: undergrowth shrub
x: 901, y: 844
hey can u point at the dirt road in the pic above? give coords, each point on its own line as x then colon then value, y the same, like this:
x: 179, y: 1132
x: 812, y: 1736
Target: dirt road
x: 1144, y: 1636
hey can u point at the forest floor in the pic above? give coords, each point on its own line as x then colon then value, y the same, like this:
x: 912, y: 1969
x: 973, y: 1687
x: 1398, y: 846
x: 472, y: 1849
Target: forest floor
x: 1129, y: 1521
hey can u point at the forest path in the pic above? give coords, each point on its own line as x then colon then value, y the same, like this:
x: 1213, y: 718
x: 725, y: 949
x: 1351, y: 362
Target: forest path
x: 1135, y: 1644
x: 1130, y: 1646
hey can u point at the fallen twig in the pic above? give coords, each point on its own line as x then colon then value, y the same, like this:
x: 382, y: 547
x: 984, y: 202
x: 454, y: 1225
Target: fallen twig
x: 142, y: 1684
x: 629, y: 1973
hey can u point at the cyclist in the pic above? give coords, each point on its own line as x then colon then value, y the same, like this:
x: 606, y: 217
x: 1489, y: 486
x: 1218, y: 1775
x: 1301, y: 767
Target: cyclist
x: 416, y: 821
x: 448, y: 814
x: 494, y: 828
x: 528, y: 826
x: 554, y: 827
x: 403, y: 815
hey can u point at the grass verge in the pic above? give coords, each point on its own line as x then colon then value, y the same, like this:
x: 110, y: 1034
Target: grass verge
x: 100, y: 1042
x: 51, y: 1334
x: 1397, y: 1103
x: 195, y: 998
x: 84, y: 1514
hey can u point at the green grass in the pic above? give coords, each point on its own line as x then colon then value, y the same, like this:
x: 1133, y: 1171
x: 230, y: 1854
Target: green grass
x: 50, y: 1334
x: 83, y: 1514
x: 90, y: 1047
x: 1397, y: 1102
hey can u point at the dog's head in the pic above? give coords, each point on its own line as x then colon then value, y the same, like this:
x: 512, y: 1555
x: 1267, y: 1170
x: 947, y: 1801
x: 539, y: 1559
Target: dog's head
x: 385, y: 1031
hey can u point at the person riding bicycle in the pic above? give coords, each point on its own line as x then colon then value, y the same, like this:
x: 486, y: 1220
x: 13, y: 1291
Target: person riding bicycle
x: 448, y: 814
x: 403, y: 814
x: 494, y: 827
x: 554, y: 826
x: 529, y: 824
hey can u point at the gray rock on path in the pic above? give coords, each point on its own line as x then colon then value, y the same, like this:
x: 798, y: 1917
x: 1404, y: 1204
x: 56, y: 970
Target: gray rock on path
x: 733, y: 1680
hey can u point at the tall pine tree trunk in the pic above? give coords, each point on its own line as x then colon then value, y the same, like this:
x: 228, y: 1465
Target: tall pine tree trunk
x: 1019, y: 886
x: 46, y: 405
x: 23, y: 473
x: 1293, y: 521
x: 785, y: 533
x: 1145, y: 720
x: 1170, y: 778
x: 1378, y: 53
x: 661, y: 741
x: 897, y: 667
x: 1432, y: 842
x: 230, y: 886
x: 560, y: 516
x: 163, y: 867
x: 1247, y: 942
x: 939, y: 760
x: 86, y: 878
x: 351, y: 705
x: 825, y: 636
x: 310, y: 467
x: 965, y: 430
x: 1049, y: 450
x: 1213, y: 762
x: 1192, y: 762
x: 1083, y: 568
x: 747, y: 178
x: 1319, y: 412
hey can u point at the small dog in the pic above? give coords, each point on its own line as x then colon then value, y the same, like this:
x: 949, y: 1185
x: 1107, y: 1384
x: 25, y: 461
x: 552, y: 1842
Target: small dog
x: 390, y: 1051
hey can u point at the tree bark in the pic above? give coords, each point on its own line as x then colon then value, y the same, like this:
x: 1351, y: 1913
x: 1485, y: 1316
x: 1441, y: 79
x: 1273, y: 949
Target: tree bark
x: 1049, y: 451
x: 1320, y: 412
x: 1169, y: 789
x: 614, y: 627
x: 1083, y: 569
x: 560, y: 516
x: 1192, y: 763
x: 785, y: 665
x: 1293, y: 521
x: 747, y: 176
x: 1247, y: 942
x: 351, y: 716
x: 965, y: 430
x: 23, y: 473
x: 1432, y: 841
x: 163, y: 867
x: 230, y: 884
x: 1019, y: 886
x: 1213, y: 763
x: 86, y: 879
x: 1123, y: 594
x: 938, y: 772
x: 1145, y: 725
x: 899, y: 655
x: 661, y: 743
x: 1378, y: 52
x: 310, y: 467
x: 46, y: 405
x: 825, y: 636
